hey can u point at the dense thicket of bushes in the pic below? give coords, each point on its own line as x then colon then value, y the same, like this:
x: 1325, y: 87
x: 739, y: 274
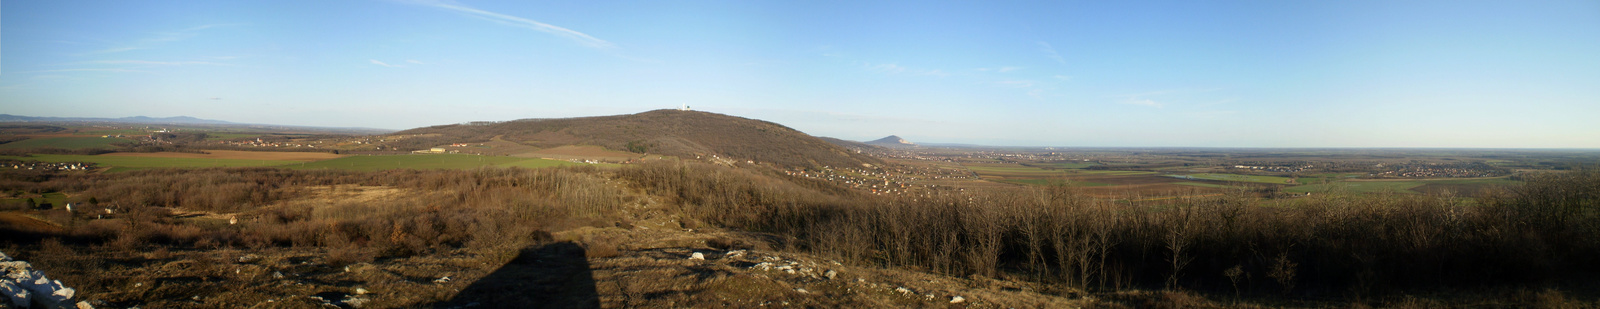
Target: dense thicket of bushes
x: 1541, y: 233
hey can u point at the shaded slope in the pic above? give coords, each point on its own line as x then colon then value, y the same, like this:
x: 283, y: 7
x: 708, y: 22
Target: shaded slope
x: 671, y: 132
x: 845, y: 143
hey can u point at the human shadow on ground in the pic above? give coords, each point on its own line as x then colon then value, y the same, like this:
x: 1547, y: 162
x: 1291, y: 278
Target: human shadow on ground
x: 554, y: 275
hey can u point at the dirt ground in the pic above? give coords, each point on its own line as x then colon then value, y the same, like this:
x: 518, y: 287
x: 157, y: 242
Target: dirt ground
x: 234, y: 154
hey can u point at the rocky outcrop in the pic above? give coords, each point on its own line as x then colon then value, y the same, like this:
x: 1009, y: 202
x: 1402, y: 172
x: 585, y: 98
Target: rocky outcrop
x: 25, y: 287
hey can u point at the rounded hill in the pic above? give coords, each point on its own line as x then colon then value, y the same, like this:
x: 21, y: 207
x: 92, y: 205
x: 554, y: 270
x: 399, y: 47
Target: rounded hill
x: 669, y: 132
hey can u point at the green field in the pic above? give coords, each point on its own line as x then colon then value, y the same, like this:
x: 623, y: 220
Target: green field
x: 1488, y: 181
x: 1068, y: 165
x: 1359, y: 187
x: 57, y: 199
x: 1013, y: 170
x: 222, y: 136
x: 116, y: 132
x: 127, y: 163
x: 425, y: 161
x: 1115, y: 173
x: 1026, y: 171
x: 1237, y: 178
x: 64, y: 143
x: 1202, y: 184
x: 1044, y: 182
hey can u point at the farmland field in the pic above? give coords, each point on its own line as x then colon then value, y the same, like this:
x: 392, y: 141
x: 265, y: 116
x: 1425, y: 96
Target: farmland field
x: 1116, y: 173
x: 54, y: 198
x: 538, y: 163
x: 234, y: 154
x: 1201, y: 184
x: 1068, y: 165
x: 64, y: 143
x: 1466, y: 187
x: 126, y: 162
x: 222, y: 136
x: 1042, y: 182
x: 1010, y: 170
x: 1238, y: 178
x: 1358, y: 187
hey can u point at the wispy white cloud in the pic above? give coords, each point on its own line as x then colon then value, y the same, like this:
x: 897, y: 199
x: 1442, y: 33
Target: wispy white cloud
x: 1213, y: 114
x: 1062, y: 77
x: 375, y: 61
x: 1183, y: 96
x: 1050, y: 51
x: 83, y: 70
x: 110, y: 50
x: 896, y: 69
x: 886, y: 68
x: 145, y: 62
x: 1016, y: 83
x: 156, y: 38
x: 1142, y: 102
x: 514, y: 21
x: 204, y: 27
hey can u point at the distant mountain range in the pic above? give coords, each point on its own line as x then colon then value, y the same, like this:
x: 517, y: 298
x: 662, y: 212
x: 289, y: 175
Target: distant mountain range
x: 134, y: 119
x: 186, y: 120
x: 686, y: 134
x: 892, y: 141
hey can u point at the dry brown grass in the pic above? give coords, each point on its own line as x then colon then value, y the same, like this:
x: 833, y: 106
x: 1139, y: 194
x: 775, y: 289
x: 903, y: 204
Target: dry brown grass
x: 400, y: 230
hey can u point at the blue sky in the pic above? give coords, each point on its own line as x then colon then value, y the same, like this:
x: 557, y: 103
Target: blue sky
x: 1056, y: 73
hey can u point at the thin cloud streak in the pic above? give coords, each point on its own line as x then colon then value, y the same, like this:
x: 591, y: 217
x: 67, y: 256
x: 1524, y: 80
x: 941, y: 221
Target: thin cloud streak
x: 375, y: 61
x: 514, y: 21
x: 1000, y: 69
x: 1016, y: 83
x: 1142, y: 102
x: 145, y: 62
x: 109, y: 51
x: 84, y: 70
x: 1050, y: 51
x: 160, y: 37
x: 896, y: 69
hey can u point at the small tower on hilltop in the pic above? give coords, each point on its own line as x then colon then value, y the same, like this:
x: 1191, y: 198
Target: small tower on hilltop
x: 685, y: 108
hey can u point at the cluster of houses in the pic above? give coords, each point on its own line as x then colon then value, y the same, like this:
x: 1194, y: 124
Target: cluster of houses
x: 436, y: 150
x: 47, y: 166
x: 1280, y: 169
x: 259, y: 143
x: 1436, y: 170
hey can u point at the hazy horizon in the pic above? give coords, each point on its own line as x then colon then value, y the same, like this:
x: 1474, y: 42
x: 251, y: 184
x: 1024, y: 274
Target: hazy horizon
x: 1152, y: 74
